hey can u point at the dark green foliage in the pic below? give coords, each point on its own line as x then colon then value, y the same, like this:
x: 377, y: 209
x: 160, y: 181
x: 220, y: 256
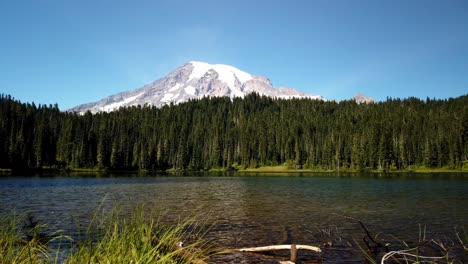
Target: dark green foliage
x: 250, y: 132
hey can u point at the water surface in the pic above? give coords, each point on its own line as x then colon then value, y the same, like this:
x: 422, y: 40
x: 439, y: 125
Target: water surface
x: 259, y: 209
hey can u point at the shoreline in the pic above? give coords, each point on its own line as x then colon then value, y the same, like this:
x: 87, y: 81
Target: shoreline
x: 286, y: 170
x: 266, y: 169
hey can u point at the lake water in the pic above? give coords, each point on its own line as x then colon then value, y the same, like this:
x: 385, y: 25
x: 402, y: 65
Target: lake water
x: 260, y: 209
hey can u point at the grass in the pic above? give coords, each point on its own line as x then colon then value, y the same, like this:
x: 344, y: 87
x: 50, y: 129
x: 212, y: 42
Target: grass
x: 424, y: 250
x: 280, y: 168
x: 15, y: 247
x: 425, y: 169
x: 142, y: 237
x: 283, y: 168
x: 139, y: 239
x: 109, y: 238
x: 290, y: 166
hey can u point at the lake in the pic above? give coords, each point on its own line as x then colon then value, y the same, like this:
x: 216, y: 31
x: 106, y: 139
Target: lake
x: 260, y: 209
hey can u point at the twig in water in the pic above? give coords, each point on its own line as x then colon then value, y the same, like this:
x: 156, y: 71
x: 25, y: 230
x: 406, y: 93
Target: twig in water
x: 405, y: 254
x: 379, y: 245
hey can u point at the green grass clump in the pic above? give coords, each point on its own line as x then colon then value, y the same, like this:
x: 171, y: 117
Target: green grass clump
x: 111, y: 237
x: 16, y: 247
x: 139, y: 239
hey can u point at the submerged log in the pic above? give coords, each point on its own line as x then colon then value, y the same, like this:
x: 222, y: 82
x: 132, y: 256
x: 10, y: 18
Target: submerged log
x: 279, y: 247
x: 293, y: 253
x: 294, y: 248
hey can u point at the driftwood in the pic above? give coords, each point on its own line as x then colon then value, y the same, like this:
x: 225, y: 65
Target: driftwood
x: 294, y: 248
x: 406, y: 254
x: 279, y: 247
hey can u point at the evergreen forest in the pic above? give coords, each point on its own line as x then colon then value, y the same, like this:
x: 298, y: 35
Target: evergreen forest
x: 250, y: 132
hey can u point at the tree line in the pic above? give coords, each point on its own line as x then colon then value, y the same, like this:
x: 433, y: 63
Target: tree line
x: 237, y: 133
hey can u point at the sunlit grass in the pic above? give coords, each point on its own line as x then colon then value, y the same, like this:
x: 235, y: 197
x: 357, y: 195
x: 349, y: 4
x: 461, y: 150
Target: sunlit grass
x: 15, y: 247
x: 140, y: 237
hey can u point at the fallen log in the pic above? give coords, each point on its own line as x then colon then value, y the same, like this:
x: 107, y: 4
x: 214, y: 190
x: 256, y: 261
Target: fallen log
x: 294, y: 249
x: 279, y: 247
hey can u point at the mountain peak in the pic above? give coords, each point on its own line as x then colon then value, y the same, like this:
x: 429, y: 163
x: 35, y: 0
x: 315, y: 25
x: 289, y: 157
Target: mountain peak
x: 362, y: 98
x: 227, y: 74
x: 194, y: 80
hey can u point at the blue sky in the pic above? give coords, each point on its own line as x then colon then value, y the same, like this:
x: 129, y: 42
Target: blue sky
x: 72, y: 52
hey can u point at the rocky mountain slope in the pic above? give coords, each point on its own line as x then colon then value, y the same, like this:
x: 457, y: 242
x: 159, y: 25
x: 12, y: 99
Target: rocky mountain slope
x: 194, y: 80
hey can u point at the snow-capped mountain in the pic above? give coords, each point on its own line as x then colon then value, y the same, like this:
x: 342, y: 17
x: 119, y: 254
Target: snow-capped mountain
x: 362, y: 98
x: 194, y: 80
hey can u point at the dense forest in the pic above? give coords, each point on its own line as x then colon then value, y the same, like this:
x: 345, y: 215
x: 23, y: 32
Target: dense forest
x: 250, y: 132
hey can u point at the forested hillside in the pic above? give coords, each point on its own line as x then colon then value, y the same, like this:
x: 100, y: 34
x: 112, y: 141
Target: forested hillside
x: 250, y: 132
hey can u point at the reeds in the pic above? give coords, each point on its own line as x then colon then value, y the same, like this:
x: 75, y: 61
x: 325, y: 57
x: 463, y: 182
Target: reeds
x: 15, y: 246
x: 111, y: 237
x: 424, y: 250
x: 141, y: 238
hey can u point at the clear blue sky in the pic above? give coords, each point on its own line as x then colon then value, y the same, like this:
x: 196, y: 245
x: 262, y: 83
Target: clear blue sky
x: 71, y: 52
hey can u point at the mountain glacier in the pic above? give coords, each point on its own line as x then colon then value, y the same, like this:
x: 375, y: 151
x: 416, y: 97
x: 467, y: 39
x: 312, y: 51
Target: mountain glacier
x: 363, y: 99
x: 191, y: 81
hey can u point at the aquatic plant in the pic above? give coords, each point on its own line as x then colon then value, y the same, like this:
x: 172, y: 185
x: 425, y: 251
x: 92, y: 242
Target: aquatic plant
x: 422, y: 250
x: 15, y: 246
x: 141, y: 238
x: 111, y: 237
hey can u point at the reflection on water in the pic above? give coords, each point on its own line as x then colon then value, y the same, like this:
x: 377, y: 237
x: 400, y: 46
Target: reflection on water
x: 255, y: 209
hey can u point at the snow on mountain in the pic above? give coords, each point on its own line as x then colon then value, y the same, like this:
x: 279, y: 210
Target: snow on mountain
x: 362, y: 98
x: 190, y: 81
x: 227, y: 74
